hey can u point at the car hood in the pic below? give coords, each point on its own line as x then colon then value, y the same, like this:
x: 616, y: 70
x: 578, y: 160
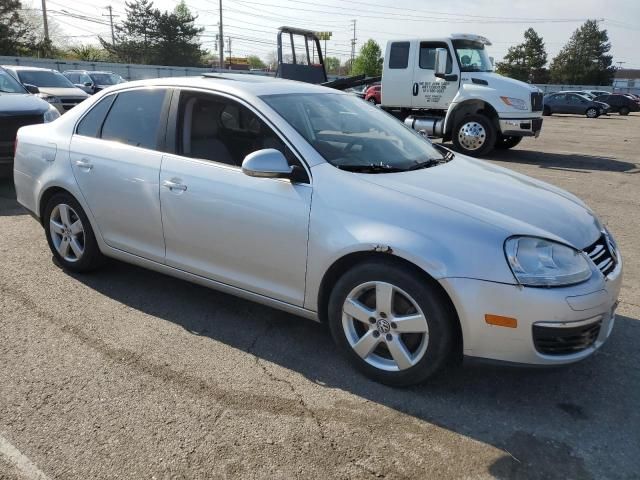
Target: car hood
x: 64, y: 92
x: 518, y: 204
x: 21, y: 104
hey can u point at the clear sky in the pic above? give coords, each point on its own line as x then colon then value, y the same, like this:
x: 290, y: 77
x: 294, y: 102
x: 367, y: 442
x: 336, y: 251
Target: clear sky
x: 252, y: 24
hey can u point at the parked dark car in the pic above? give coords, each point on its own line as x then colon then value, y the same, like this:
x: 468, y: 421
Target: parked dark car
x: 372, y: 94
x: 572, y: 103
x: 18, y: 108
x: 620, y: 103
x: 92, y: 81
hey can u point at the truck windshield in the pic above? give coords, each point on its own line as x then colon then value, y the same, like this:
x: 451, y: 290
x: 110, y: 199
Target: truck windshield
x: 352, y: 134
x: 472, y: 56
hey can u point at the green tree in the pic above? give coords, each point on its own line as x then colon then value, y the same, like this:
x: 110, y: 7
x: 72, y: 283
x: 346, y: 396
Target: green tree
x: 177, y: 38
x: 526, y: 61
x: 369, y: 60
x: 584, y: 59
x: 87, y: 53
x: 15, y: 35
x: 332, y: 64
x: 256, y: 62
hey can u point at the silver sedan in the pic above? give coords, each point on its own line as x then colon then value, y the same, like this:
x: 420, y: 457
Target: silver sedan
x: 317, y: 203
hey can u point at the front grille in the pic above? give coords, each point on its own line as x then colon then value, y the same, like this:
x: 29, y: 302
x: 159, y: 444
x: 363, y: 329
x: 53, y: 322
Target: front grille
x: 602, y: 253
x: 565, y: 341
x: 69, y: 103
x: 536, y: 102
x: 9, y: 127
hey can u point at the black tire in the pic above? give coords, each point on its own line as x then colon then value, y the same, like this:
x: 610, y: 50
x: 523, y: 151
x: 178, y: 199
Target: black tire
x: 372, y: 100
x: 624, y: 111
x: 435, y: 308
x: 592, y: 112
x: 488, y: 137
x: 91, y: 257
x: 505, y: 143
x: 546, y: 112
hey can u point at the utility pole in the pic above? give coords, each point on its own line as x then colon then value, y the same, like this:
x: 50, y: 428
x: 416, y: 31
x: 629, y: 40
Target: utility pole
x: 353, y: 44
x: 44, y: 20
x: 229, y: 50
x: 221, y: 46
x: 110, y: 15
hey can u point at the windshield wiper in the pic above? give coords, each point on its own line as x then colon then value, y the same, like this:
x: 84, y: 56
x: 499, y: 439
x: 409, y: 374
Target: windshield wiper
x: 432, y: 162
x: 370, y: 168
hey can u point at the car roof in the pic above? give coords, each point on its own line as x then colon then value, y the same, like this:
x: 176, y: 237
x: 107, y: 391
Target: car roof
x: 233, y: 83
x: 87, y: 71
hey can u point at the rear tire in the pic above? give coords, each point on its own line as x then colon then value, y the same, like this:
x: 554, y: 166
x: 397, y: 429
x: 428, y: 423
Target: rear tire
x: 624, y: 111
x: 505, y: 143
x: 70, y: 236
x: 474, y: 135
x: 372, y: 100
x: 401, y: 341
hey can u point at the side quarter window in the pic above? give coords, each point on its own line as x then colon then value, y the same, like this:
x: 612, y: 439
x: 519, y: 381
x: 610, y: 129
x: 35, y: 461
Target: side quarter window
x: 91, y: 123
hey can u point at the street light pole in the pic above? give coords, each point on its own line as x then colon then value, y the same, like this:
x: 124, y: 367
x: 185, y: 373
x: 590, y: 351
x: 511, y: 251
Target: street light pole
x: 221, y: 46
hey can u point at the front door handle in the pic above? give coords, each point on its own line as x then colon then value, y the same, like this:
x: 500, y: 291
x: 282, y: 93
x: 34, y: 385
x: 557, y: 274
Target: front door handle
x: 171, y: 185
x: 84, y: 163
x: 415, y: 89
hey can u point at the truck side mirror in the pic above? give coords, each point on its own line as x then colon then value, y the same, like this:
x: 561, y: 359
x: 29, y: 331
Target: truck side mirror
x: 440, y: 67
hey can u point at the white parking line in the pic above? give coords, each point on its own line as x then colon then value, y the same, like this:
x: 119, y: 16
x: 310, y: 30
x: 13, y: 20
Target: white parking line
x: 25, y: 466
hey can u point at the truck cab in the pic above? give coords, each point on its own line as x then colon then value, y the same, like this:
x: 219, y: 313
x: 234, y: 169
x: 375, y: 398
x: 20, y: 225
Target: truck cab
x: 446, y: 87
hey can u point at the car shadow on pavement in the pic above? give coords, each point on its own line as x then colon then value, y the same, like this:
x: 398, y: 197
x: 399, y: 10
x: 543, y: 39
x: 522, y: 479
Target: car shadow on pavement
x: 574, y: 162
x: 538, y: 417
x: 8, y: 204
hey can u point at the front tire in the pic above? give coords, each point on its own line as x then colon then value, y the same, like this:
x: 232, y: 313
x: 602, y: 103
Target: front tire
x: 69, y: 234
x: 546, y: 112
x: 506, y: 142
x: 592, y: 112
x: 391, y: 323
x: 475, y: 135
x: 372, y: 100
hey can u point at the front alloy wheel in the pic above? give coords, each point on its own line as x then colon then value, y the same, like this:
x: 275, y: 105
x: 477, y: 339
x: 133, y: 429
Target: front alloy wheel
x: 592, y: 112
x: 67, y: 232
x: 385, y: 326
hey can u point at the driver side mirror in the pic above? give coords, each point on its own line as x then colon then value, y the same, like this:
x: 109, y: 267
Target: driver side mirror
x: 440, y: 66
x: 267, y: 163
x: 88, y: 84
x: 31, y: 88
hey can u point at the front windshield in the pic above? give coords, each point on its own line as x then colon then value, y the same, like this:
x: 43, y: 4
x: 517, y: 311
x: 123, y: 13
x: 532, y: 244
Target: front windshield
x: 472, y: 56
x: 44, y: 78
x: 106, y: 78
x: 352, y: 134
x: 8, y: 84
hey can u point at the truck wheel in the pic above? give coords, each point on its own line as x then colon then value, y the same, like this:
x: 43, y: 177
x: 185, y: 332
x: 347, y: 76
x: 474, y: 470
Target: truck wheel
x: 592, y: 112
x: 474, y: 135
x: 507, y: 142
x: 624, y: 111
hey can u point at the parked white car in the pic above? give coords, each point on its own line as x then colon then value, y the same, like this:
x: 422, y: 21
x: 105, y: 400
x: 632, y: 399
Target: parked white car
x: 315, y: 202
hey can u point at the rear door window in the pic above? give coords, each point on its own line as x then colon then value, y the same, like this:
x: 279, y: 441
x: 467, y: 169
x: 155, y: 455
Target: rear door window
x: 134, y: 118
x: 399, y: 55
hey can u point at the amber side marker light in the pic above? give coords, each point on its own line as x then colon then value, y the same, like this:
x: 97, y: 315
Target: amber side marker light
x: 500, y: 321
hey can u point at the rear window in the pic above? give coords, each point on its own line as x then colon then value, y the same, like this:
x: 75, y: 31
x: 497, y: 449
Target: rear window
x: 399, y: 55
x: 134, y: 118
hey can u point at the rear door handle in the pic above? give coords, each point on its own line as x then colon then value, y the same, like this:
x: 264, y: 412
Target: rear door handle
x: 84, y: 163
x: 171, y: 185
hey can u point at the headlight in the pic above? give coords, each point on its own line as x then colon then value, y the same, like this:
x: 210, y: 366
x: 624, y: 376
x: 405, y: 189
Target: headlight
x: 517, y: 103
x: 537, y: 262
x: 49, y: 98
x: 51, y: 114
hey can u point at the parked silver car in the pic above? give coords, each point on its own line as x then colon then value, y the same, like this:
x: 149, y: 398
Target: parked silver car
x: 317, y: 203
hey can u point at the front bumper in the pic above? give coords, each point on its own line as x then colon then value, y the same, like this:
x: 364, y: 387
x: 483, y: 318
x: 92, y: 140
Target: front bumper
x: 521, y: 127
x: 571, y: 311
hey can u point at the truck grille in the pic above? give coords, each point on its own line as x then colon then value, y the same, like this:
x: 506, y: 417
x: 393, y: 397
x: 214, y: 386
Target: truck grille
x: 9, y: 127
x: 565, y: 341
x: 536, y: 102
x: 602, y: 253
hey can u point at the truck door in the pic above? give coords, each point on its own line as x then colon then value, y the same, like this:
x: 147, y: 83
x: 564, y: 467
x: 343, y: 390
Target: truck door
x: 430, y: 92
x: 397, y: 76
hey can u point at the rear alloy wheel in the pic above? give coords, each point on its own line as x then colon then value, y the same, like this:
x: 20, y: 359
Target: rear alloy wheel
x: 507, y: 142
x: 69, y: 234
x: 592, y: 112
x: 391, y: 324
x: 475, y: 135
x: 624, y: 111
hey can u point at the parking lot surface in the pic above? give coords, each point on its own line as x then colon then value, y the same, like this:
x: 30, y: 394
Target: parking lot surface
x: 126, y: 373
